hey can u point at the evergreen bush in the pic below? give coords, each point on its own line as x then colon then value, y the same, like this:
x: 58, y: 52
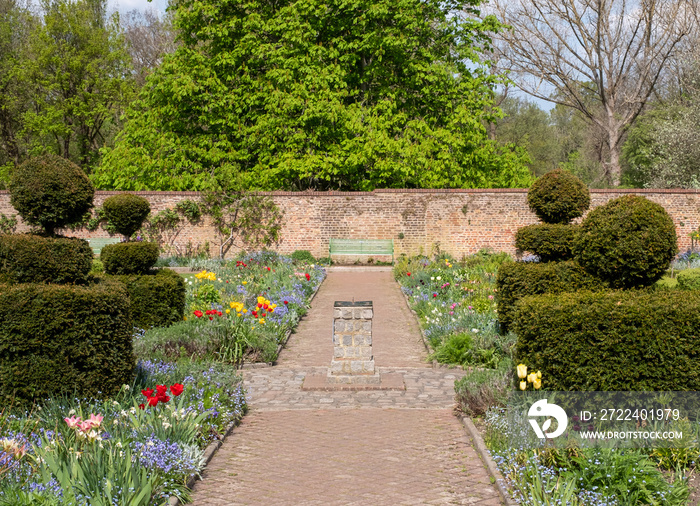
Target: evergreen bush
x: 611, y: 340
x: 157, y: 300
x: 50, y: 192
x: 628, y: 242
x: 129, y: 257
x: 64, y: 339
x: 28, y: 258
x: 516, y: 280
x: 558, y: 197
x: 689, y: 279
x: 126, y: 212
x: 549, y: 241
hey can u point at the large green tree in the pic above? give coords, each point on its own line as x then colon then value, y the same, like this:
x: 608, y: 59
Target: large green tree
x: 79, y: 79
x: 318, y: 94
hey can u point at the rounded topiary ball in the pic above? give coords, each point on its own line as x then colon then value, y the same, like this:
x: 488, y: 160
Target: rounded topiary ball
x: 51, y: 192
x: 629, y: 242
x: 126, y: 212
x: 558, y: 197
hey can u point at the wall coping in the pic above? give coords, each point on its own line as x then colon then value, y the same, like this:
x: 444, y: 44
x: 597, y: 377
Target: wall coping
x: 335, y: 193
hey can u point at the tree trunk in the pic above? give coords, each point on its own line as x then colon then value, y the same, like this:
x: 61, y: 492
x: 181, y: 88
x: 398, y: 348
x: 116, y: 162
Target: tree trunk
x: 613, y: 170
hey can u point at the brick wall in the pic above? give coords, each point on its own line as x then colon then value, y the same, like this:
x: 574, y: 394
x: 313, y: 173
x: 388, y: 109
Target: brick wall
x: 457, y: 221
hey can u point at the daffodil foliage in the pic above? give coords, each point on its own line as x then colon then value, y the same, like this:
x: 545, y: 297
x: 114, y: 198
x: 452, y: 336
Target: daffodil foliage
x: 318, y: 94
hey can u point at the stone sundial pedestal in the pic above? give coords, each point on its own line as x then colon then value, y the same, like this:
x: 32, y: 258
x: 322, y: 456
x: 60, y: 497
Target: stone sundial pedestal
x: 352, y: 365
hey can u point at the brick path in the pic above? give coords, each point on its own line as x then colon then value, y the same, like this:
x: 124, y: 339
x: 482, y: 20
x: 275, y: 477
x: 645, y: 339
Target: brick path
x: 381, y: 447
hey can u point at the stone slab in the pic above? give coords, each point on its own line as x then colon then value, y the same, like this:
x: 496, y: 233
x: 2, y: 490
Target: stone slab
x: 388, y: 381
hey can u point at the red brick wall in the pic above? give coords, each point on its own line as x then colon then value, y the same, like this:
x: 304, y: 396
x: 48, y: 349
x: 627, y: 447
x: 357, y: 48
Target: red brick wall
x: 458, y: 221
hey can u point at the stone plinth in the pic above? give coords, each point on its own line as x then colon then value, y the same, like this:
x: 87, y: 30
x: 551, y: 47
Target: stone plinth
x: 352, y: 344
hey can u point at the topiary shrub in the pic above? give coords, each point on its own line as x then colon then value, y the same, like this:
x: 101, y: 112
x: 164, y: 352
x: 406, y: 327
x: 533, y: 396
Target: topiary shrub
x: 301, y: 256
x: 129, y: 257
x: 611, y: 341
x: 549, y: 241
x: 689, y: 279
x: 64, y: 339
x: 628, y: 242
x: 516, y: 280
x: 126, y: 212
x: 558, y: 197
x: 27, y: 258
x: 157, y: 300
x: 51, y: 192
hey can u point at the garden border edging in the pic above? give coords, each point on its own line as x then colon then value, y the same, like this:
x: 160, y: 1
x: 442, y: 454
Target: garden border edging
x: 480, y: 447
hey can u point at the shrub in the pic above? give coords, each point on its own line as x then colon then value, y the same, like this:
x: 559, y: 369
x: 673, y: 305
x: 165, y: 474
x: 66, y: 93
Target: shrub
x: 129, y: 257
x: 549, y: 241
x: 27, y: 258
x: 301, y: 256
x: 516, y: 280
x: 50, y: 192
x: 611, y: 340
x: 126, y: 212
x: 689, y: 279
x: 629, y: 242
x: 63, y: 339
x: 157, y: 300
x: 558, y: 197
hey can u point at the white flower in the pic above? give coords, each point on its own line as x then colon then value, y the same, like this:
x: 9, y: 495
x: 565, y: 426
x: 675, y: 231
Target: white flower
x: 115, y: 403
x: 475, y: 331
x: 126, y: 387
x: 150, y: 443
x: 71, y: 412
x: 190, y: 282
x: 166, y: 425
x: 119, y: 444
x: 432, y: 278
x: 439, y: 278
x: 115, y: 422
x: 132, y: 410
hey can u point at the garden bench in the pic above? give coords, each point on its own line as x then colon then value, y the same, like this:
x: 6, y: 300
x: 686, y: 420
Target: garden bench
x: 361, y: 247
x: 100, y: 242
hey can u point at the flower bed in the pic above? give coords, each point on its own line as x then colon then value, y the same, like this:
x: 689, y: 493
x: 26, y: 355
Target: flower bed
x: 141, y: 445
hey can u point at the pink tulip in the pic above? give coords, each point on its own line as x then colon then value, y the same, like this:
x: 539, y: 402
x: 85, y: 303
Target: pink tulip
x: 73, y: 421
x: 95, y: 420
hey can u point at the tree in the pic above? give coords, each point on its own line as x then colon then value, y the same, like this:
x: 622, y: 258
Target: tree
x: 620, y: 47
x: 78, y: 72
x: 311, y: 94
x: 16, y: 22
x: 149, y: 38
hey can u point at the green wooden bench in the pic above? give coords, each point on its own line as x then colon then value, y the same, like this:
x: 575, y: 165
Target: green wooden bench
x: 361, y: 247
x: 100, y: 242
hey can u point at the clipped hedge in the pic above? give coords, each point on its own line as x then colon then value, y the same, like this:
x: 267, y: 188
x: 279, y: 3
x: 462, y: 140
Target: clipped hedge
x: 611, y: 340
x: 64, y: 339
x: 27, y: 258
x: 51, y: 192
x: 689, y: 279
x: 549, y: 241
x: 516, y: 280
x: 126, y: 212
x: 629, y: 242
x: 156, y: 299
x: 129, y: 257
x: 558, y: 197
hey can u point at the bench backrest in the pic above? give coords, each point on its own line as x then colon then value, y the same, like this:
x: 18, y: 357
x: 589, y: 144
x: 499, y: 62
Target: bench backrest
x: 100, y: 242
x: 361, y: 247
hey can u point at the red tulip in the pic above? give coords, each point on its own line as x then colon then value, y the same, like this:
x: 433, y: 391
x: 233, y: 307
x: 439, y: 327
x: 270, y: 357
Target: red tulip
x: 153, y: 401
x: 177, y: 389
x: 408, y: 274
x: 435, y: 295
x: 285, y: 302
x: 198, y: 314
x: 147, y: 392
x: 308, y: 277
x: 142, y: 406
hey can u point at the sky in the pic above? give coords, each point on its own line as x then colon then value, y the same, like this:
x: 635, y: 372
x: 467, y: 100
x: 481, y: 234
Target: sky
x: 128, y: 5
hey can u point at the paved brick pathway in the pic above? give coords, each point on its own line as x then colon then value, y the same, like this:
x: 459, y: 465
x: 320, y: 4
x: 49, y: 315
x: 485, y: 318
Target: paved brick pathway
x: 380, y: 447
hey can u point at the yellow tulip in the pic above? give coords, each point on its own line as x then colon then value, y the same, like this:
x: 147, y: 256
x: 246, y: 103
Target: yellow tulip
x: 539, y: 375
x: 244, y: 283
x: 522, y: 371
x: 537, y: 384
x: 531, y: 377
x: 523, y: 385
x: 228, y: 311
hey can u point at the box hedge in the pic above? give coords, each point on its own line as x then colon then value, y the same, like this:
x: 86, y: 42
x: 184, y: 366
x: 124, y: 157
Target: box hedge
x: 516, y: 280
x: 611, y: 340
x: 689, y: 279
x: 64, y: 339
x: 157, y: 299
x: 558, y: 197
x: 129, y: 257
x: 549, y: 241
x: 27, y: 258
x: 126, y: 212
